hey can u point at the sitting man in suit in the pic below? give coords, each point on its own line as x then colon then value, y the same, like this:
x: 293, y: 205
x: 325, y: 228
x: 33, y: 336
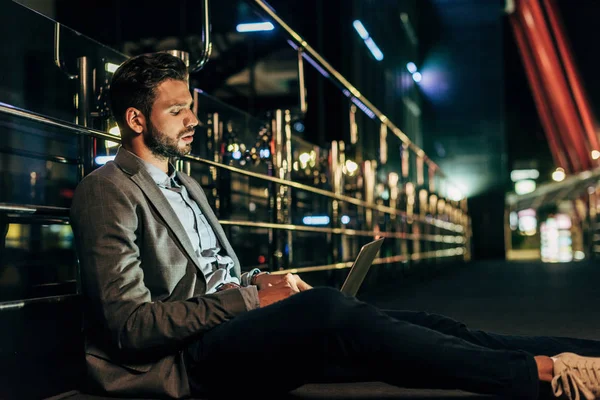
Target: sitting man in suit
x: 168, y: 312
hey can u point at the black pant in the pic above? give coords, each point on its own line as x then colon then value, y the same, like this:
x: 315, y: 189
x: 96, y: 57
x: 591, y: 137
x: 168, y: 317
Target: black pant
x: 320, y: 335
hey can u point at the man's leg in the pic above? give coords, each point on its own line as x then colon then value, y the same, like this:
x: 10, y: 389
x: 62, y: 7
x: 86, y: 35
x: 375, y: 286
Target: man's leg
x: 300, y: 339
x: 535, y: 345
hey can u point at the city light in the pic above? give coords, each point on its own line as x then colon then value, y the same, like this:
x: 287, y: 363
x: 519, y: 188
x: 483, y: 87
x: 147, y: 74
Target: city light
x: 520, y: 174
x: 559, y: 175
x: 304, y: 158
x: 513, y: 220
x: 360, y: 28
x: 351, y: 167
x: 110, y: 67
x: 527, y: 222
x: 525, y: 186
x: 374, y: 49
x: 364, y: 34
x: 316, y: 220
x: 255, y: 27
x: 556, y: 240
x: 455, y: 194
x: 116, y: 132
x: 101, y: 160
x: 414, y: 71
x: 264, y: 153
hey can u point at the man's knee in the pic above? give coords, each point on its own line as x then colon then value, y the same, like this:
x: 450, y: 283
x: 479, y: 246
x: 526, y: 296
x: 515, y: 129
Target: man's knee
x: 329, y: 308
x: 324, y: 300
x: 323, y: 297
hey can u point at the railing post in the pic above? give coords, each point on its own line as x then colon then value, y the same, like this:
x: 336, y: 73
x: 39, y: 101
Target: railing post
x: 214, y: 136
x: 436, y: 211
x: 287, y: 193
x: 82, y: 104
x: 180, y: 164
x: 395, y: 222
x: 301, y: 81
x: 369, y: 171
x: 466, y: 224
x: 339, y: 207
x: 335, y: 169
x: 280, y: 195
x: 592, y: 217
x: 411, y: 228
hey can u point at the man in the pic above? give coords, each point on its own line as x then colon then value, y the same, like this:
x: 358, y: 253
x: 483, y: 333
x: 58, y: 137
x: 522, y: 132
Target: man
x: 167, y: 312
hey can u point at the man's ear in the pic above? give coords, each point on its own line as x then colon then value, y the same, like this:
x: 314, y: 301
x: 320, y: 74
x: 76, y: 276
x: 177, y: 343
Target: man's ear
x: 135, y: 120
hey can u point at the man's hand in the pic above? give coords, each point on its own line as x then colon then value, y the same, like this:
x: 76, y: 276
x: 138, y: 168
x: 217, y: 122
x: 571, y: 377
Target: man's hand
x: 264, y: 280
x: 272, y: 288
x: 275, y: 292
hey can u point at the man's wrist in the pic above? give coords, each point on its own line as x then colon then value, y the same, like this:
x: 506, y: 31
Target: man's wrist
x: 248, y: 278
x: 256, y: 275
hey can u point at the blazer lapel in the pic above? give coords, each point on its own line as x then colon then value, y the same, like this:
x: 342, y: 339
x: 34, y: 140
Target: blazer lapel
x: 197, y: 194
x: 133, y: 167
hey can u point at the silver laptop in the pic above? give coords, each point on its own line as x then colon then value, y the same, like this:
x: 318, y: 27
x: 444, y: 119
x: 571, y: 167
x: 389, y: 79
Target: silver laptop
x: 361, y: 266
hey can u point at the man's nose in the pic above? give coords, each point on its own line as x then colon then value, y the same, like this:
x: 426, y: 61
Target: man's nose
x: 192, y: 120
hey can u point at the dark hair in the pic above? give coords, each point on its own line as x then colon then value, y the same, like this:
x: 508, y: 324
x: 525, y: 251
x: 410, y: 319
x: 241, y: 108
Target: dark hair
x: 135, y: 81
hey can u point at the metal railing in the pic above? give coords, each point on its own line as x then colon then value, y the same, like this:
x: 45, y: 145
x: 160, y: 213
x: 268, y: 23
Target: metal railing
x: 458, y: 229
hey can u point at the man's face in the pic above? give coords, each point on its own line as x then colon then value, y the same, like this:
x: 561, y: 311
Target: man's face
x: 172, y: 122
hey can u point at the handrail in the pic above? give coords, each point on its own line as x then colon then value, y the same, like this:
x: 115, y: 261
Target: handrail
x: 381, y: 260
x: 301, y: 84
x: 351, y: 200
x: 39, y: 156
x: 325, y: 193
x: 206, y: 39
x: 347, y: 85
x: 30, y: 209
x: 59, y: 63
x: 81, y: 130
x: 56, y: 122
x: 16, y: 304
x: 344, y: 231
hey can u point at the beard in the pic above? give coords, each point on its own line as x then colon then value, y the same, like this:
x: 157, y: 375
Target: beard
x: 163, y: 146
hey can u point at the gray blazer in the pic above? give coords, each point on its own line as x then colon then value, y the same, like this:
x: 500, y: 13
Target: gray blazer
x: 144, y: 292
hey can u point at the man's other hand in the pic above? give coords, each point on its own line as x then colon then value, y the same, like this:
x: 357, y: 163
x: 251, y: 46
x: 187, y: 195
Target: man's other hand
x: 279, y: 290
x: 264, y: 280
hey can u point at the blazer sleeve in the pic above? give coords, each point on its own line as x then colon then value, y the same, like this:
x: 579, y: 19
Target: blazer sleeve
x: 105, y: 226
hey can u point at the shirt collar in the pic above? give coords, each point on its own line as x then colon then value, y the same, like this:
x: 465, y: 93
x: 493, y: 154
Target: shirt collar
x: 158, y: 175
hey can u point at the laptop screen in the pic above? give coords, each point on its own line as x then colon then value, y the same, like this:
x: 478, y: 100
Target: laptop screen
x: 361, y: 266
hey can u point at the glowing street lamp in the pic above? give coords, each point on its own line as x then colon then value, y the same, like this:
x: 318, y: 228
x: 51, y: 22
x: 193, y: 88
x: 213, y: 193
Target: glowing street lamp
x: 559, y: 175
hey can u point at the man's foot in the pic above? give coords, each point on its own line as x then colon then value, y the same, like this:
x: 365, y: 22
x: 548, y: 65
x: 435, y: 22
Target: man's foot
x: 575, y: 375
